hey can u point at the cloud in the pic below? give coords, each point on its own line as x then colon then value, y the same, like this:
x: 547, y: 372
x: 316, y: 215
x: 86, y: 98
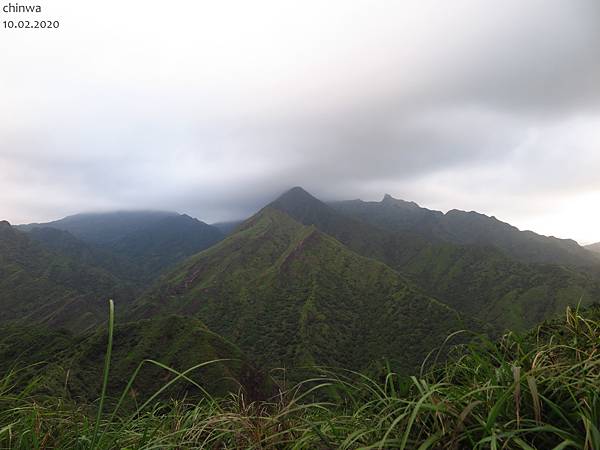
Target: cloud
x: 214, y: 108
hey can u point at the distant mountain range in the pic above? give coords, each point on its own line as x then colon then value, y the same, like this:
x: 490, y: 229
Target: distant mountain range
x: 479, y: 280
x: 594, y: 247
x: 142, y: 243
x: 104, y: 228
x: 300, y: 283
x: 466, y: 228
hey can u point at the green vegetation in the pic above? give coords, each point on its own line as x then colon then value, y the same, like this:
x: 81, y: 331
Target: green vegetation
x: 41, y: 286
x: 537, y: 391
x: 467, y: 228
x: 154, y: 248
x: 289, y: 295
x: 134, y: 246
x: 62, y: 280
x: 306, y: 327
x: 63, y: 243
x: 71, y: 366
x: 484, y: 283
x: 50, y: 277
x: 481, y: 281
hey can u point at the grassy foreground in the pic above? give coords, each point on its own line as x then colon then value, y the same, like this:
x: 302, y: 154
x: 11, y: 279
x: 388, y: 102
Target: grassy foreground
x: 537, y: 391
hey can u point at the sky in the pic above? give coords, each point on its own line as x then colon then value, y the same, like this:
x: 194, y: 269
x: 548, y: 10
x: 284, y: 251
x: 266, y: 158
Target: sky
x: 215, y: 108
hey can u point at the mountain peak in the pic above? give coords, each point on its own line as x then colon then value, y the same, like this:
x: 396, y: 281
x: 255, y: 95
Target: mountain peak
x: 295, y: 198
x: 6, y: 228
x: 306, y: 209
x: 389, y: 200
x: 297, y: 192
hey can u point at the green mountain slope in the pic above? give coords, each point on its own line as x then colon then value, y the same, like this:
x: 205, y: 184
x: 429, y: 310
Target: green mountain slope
x: 290, y: 295
x: 481, y: 281
x: 466, y: 228
x: 133, y: 245
x: 358, y: 235
x: 164, y: 243
x: 72, y: 364
x: 485, y: 283
x: 533, y: 391
x: 38, y: 285
x: 65, y: 244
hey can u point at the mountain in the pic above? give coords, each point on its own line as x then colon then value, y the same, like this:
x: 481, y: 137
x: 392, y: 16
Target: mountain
x: 360, y: 236
x: 227, y: 227
x: 466, y: 228
x: 306, y: 209
x: 290, y: 295
x: 480, y: 281
x: 65, y: 244
x: 73, y: 364
x: 487, y: 284
x: 135, y: 245
x: 594, y: 247
x: 104, y: 228
x: 165, y: 243
x: 41, y: 286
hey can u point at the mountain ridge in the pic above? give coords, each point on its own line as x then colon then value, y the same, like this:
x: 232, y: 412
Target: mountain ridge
x: 139, y: 244
x: 38, y: 285
x: 462, y: 227
x: 103, y: 227
x: 475, y: 278
x: 290, y: 295
x: 594, y: 247
x: 478, y: 280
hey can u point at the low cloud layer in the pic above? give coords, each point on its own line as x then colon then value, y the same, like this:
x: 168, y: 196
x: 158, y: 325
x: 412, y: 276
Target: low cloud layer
x: 214, y: 109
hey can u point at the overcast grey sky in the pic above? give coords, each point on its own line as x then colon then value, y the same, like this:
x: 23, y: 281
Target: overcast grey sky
x: 213, y: 108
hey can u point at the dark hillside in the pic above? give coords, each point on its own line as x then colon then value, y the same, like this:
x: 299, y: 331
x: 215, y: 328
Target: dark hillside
x: 133, y: 245
x: 104, y: 228
x: 72, y: 365
x: 467, y: 228
x: 40, y: 286
x: 165, y: 243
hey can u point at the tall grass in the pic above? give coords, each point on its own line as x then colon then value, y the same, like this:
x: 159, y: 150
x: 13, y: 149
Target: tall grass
x: 107, y: 359
x: 537, y: 391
